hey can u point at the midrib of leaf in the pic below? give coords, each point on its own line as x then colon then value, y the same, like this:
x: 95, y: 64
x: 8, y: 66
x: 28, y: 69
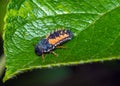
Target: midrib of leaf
x: 99, y: 16
x: 95, y: 20
x: 87, y: 27
x: 108, y: 46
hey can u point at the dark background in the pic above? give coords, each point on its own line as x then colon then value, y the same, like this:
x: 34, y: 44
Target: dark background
x: 93, y: 74
x: 105, y: 73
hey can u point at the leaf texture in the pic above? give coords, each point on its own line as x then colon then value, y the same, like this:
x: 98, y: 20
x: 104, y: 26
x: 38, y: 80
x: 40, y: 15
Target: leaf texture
x: 94, y: 23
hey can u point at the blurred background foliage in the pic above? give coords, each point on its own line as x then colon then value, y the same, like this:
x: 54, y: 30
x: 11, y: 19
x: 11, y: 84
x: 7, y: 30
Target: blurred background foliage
x: 93, y: 74
x: 3, y: 5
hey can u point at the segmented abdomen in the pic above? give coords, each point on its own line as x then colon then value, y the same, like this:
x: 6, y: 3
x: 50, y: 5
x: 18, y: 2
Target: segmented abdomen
x: 60, y: 36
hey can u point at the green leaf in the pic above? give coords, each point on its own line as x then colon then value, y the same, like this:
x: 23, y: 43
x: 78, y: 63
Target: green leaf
x: 94, y: 23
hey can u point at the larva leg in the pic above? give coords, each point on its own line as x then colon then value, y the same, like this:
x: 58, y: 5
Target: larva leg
x: 61, y: 47
x: 54, y: 53
x: 42, y: 56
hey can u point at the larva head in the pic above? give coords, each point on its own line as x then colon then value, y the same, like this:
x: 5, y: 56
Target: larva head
x: 38, y: 50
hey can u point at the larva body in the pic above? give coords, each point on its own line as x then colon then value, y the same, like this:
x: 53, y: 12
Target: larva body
x: 52, y: 41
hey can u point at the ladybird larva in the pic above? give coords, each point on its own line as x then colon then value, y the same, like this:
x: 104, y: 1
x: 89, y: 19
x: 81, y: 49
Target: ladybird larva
x: 53, y: 40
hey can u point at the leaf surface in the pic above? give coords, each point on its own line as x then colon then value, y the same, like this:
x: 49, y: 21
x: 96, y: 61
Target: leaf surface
x: 95, y: 25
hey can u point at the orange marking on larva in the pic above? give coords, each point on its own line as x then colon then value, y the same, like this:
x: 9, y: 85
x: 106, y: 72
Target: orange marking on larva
x: 57, y: 39
x: 52, y: 41
x: 63, y: 36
